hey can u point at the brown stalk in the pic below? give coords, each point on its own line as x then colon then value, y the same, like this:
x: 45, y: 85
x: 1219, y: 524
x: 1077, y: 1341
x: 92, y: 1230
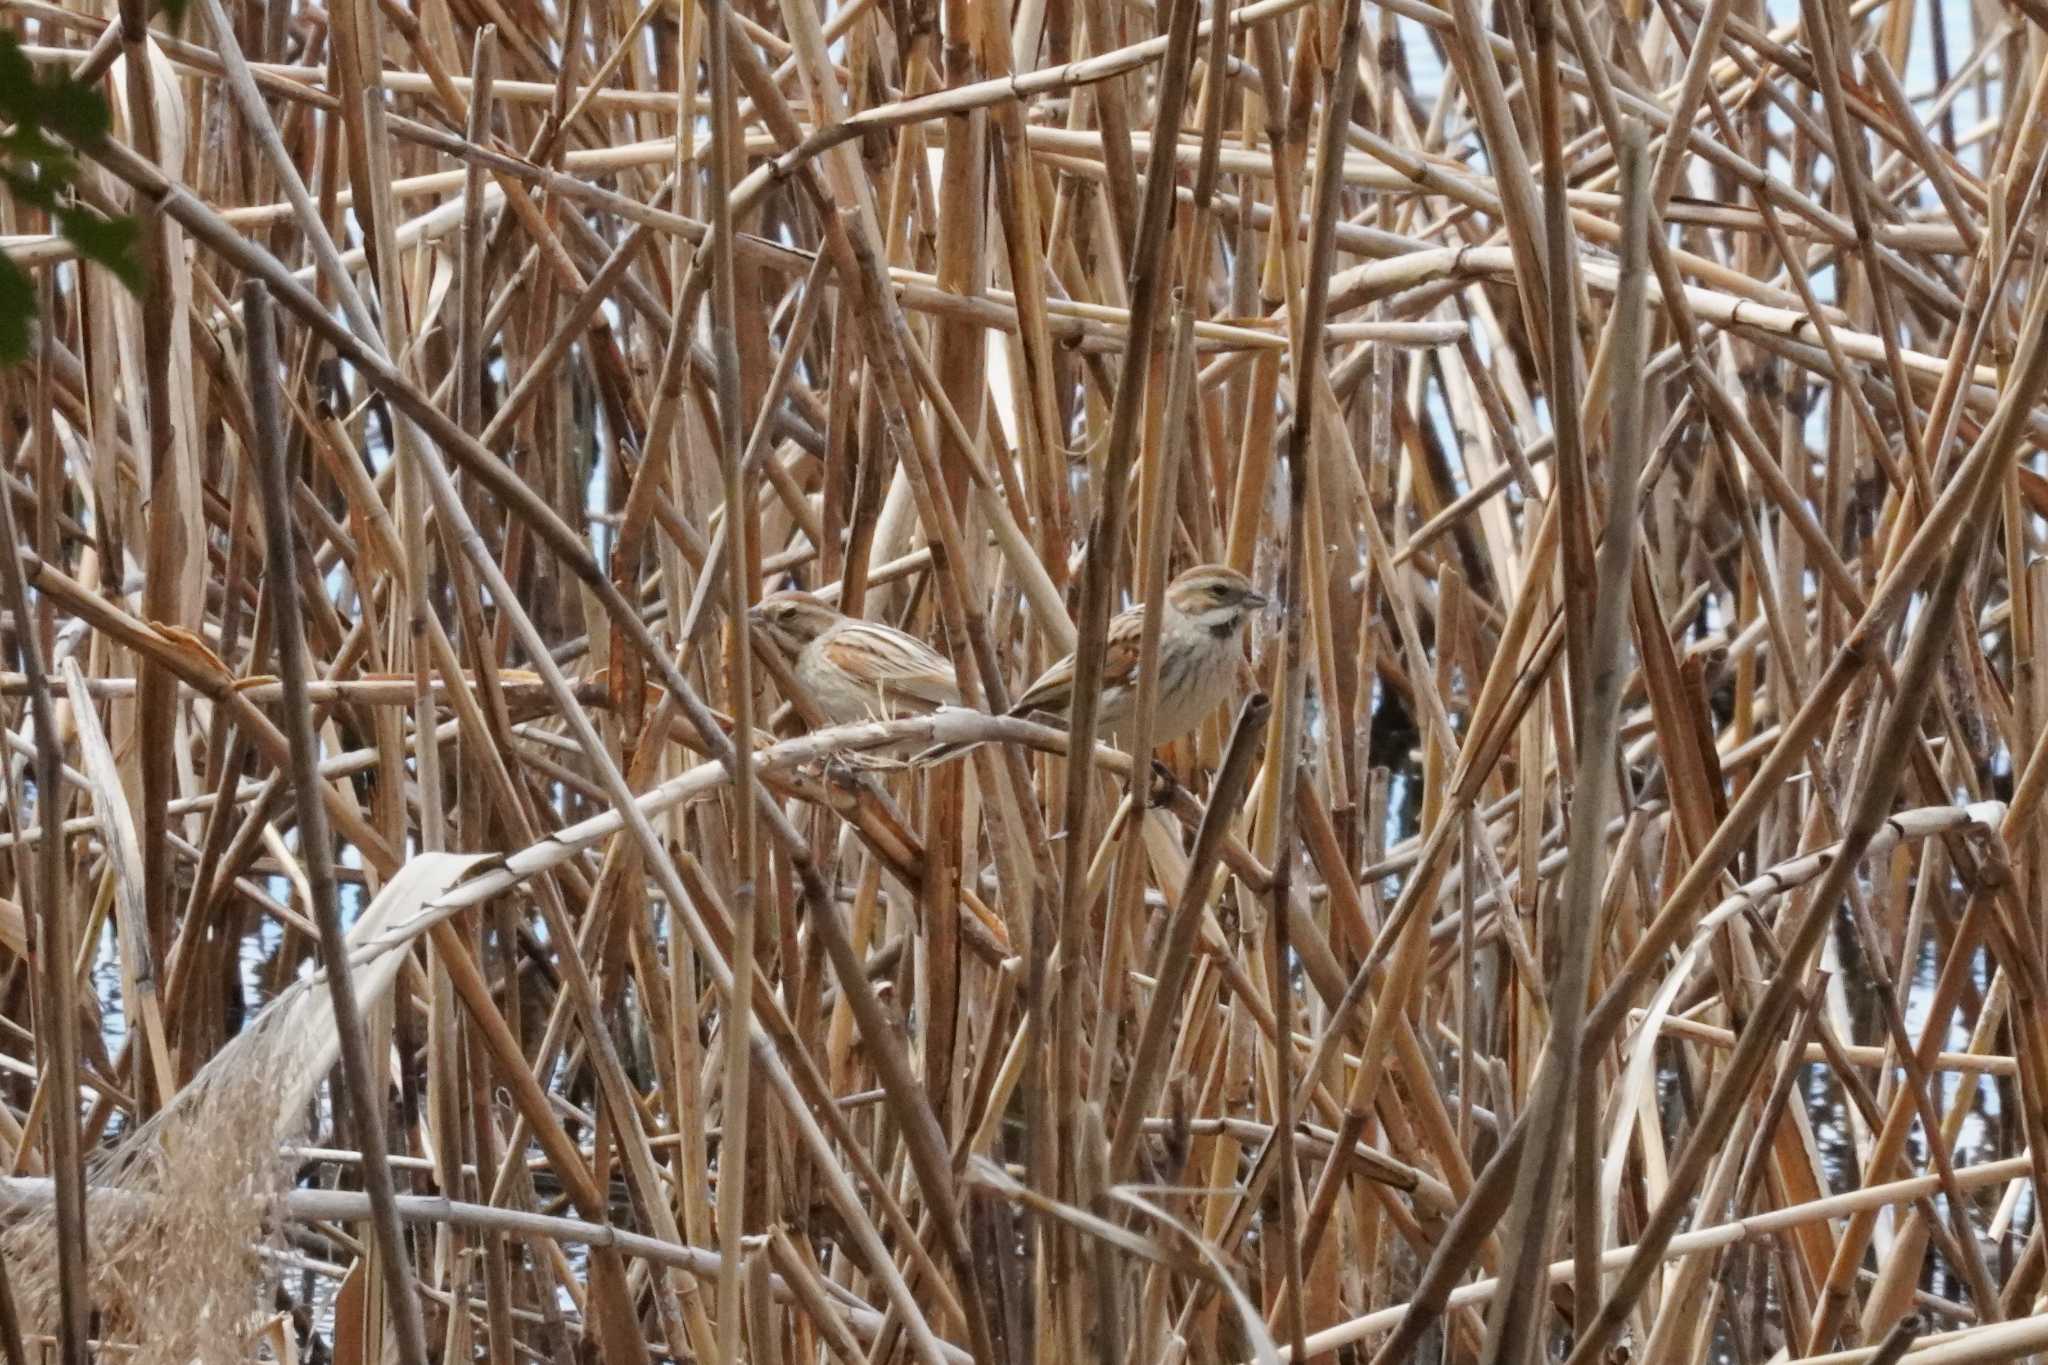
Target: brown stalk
x: 1514, y: 1326
x: 56, y: 946
x: 732, y: 1182
x: 1105, y: 540
x: 1160, y: 477
x: 1872, y: 801
x: 1175, y: 955
x: 534, y: 257
x: 1285, y: 741
x: 365, y: 1102
x: 171, y: 478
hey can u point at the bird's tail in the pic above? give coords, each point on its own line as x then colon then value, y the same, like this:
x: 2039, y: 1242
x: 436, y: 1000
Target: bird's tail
x: 952, y: 749
x: 944, y: 753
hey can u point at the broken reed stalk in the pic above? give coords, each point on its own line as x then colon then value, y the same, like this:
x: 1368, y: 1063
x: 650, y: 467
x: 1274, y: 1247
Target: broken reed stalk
x: 1614, y: 398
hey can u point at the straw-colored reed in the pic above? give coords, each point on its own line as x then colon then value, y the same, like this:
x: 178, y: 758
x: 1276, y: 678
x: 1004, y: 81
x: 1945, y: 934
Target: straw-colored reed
x: 1608, y: 922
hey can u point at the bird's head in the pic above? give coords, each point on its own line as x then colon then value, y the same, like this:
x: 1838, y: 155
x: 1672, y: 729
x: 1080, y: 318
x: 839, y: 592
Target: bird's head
x: 792, y: 619
x: 1215, y: 598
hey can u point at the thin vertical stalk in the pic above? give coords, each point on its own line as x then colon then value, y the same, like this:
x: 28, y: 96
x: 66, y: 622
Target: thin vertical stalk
x: 56, y: 949
x: 1341, y: 74
x: 365, y: 1102
x: 733, y: 1151
x: 1514, y: 1332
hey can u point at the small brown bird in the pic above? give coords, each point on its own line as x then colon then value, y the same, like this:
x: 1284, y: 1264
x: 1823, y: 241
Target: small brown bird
x: 1206, y: 610
x: 855, y: 670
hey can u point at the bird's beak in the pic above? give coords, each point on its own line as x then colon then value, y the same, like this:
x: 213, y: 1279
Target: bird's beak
x: 1255, y: 599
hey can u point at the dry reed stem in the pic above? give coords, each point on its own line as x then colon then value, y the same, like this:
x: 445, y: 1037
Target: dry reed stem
x: 1623, y: 511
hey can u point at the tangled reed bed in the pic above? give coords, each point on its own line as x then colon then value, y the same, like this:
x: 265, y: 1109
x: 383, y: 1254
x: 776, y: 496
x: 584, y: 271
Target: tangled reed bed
x: 1611, y: 923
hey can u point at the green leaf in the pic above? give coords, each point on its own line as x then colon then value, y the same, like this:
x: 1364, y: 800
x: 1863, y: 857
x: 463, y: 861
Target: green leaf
x: 75, y: 112
x: 18, y: 93
x: 17, y: 310
x: 26, y: 143
x: 39, y: 115
x: 107, y: 241
x: 30, y: 190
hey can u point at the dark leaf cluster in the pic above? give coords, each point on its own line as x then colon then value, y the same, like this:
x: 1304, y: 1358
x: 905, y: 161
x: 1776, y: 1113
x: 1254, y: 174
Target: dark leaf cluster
x: 42, y: 116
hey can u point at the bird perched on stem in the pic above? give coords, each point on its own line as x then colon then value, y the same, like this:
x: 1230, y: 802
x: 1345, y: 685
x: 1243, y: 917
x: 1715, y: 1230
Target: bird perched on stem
x: 854, y: 670
x: 1206, y: 610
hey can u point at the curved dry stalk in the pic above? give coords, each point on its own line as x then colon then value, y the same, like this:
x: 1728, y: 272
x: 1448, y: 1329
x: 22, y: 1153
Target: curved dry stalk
x: 595, y: 323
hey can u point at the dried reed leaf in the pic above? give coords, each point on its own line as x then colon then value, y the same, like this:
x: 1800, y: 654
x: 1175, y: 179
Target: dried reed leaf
x: 180, y: 1204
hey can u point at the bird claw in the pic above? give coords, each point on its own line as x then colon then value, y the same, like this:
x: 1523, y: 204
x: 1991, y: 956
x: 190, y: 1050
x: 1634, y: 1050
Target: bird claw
x: 847, y: 768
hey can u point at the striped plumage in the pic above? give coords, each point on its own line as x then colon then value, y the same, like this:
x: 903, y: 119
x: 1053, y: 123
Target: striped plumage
x: 855, y: 670
x: 1206, y: 610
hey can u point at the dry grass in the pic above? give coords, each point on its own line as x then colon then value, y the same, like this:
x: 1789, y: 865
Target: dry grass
x: 1613, y: 920
x: 177, y: 1221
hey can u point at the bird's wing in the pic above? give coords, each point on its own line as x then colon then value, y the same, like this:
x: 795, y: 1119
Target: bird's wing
x: 893, y: 662
x: 1120, y: 648
x: 1051, y: 692
x: 1054, y: 690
